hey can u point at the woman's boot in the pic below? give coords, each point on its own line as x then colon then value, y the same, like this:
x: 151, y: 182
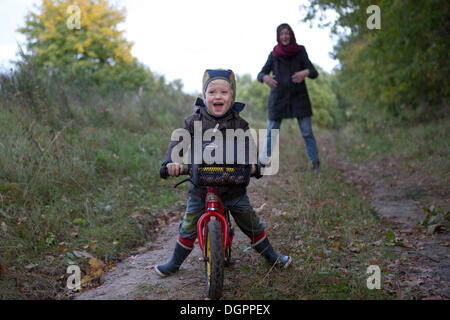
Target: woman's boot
x: 274, y: 258
x: 316, y: 167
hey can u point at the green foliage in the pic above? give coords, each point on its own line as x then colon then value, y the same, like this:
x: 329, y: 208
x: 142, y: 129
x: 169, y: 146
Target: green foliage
x: 401, y: 69
x: 324, y: 100
x: 97, y: 52
x: 253, y: 94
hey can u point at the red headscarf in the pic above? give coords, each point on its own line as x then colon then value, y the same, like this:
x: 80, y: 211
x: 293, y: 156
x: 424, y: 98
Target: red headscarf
x: 286, y: 51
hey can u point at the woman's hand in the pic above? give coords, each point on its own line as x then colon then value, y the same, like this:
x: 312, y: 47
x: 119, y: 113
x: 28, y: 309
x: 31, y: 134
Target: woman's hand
x: 174, y: 169
x: 299, y: 76
x: 270, y: 81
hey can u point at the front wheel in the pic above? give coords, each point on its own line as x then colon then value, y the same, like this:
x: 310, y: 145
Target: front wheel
x: 214, y: 261
x: 230, y: 235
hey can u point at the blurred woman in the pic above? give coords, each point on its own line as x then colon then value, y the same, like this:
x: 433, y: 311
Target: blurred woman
x: 284, y: 72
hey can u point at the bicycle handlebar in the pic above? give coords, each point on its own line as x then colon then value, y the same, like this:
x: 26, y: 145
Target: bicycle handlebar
x: 164, y: 174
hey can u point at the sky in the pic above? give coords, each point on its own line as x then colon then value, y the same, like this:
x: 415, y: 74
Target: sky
x: 180, y: 39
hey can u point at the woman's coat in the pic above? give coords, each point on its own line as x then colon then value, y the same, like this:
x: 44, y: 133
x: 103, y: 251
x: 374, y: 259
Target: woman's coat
x: 288, y: 99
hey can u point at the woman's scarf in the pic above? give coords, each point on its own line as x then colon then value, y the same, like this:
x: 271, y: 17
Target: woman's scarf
x: 286, y: 51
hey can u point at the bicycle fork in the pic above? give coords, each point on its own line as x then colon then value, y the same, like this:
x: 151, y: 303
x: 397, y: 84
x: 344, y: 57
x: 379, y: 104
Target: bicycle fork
x: 213, y: 208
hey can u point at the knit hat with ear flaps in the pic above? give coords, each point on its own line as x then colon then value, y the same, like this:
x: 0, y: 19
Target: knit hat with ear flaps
x: 227, y: 75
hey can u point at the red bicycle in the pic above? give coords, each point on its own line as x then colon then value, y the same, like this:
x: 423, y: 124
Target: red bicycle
x: 214, y: 229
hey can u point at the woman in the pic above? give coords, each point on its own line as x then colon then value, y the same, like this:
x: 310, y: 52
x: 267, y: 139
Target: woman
x: 288, y: 97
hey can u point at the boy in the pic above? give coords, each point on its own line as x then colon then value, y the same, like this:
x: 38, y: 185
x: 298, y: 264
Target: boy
x: 221, y: 112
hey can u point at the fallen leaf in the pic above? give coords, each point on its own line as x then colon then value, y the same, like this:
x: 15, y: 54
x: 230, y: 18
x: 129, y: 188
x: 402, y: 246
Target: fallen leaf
x: 96, y: 265
x: 337, y: 244
x: 94, y: 270
x: 4, y: 227
x: 376, y: 243
x: 61, y: 246
x: 280, y: 213
x: 80, y: 254
x: 31, y: 266
x: 161, y: 222
x: 21, y: 220
x: 355, y: 250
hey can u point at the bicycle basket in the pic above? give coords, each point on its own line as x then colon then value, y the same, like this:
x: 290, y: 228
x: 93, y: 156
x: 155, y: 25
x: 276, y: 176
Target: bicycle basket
x: 221, y: 176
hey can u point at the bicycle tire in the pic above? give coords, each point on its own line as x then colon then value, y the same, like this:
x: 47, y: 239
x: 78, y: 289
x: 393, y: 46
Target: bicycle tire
x: 227, y: 262
x: 214, y: 262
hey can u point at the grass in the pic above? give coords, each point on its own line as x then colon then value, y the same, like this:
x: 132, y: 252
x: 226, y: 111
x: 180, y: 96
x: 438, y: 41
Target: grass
x: 82, y: 185
x: 422, y: 146
x: 326, y: 226
x: 83, y: 196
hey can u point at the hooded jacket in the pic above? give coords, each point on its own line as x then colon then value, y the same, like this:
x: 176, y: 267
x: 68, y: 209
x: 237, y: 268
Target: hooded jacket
x: 231, y: 120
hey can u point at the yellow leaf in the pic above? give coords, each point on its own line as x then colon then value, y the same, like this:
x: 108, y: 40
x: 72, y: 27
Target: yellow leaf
x: 95, y: 269
x: 96, y: 264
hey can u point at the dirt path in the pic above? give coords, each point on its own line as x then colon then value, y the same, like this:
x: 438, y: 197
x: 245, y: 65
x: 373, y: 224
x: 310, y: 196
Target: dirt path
x: 399, y: 196
x: 135, y: 277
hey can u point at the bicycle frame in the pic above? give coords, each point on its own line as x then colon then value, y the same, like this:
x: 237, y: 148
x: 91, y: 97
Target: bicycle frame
x: 213, y: 208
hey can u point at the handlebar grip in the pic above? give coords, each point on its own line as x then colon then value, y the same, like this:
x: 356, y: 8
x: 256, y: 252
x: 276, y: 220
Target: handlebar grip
x: 164, y: 173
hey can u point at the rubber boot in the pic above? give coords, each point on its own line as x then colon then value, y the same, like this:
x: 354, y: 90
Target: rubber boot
x: 180, y: 253
x: 274, y: 258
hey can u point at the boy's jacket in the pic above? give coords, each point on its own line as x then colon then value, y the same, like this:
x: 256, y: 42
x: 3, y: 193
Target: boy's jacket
x: 230, y: 121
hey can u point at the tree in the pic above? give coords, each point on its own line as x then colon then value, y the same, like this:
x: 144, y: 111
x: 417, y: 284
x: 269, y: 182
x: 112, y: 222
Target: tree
x: 96, y: 50
x: 323, y: 100
x: 253, y: 94
x: 399, y: 68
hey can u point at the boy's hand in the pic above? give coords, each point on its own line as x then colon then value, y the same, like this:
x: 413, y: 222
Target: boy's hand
x: 253, y: 169
x: 270, y: 81
x: 174, y: 169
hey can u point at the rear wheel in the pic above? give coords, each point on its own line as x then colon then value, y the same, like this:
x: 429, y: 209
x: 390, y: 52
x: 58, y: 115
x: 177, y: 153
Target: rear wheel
x: 214, y: 261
